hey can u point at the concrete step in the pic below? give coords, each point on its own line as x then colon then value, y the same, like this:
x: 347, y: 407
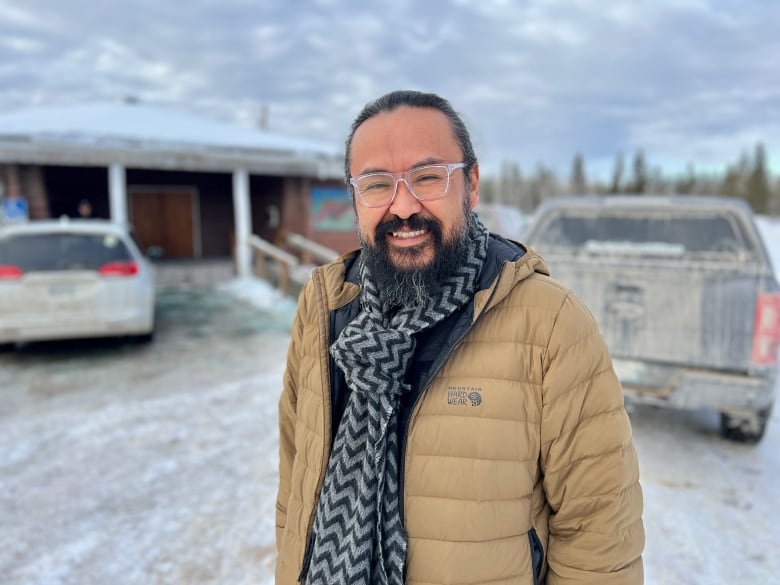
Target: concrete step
x: 195, y: 271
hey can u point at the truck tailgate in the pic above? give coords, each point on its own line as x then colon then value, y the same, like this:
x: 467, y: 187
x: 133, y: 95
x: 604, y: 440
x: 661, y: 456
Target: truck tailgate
x: 700, y: 315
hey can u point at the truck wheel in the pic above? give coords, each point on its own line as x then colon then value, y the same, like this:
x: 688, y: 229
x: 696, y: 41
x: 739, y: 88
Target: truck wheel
x: 744, y: 427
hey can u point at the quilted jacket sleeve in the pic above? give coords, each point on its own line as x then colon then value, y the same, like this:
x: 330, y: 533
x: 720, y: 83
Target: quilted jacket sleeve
x: 287, y: 416
x: 591, y: 474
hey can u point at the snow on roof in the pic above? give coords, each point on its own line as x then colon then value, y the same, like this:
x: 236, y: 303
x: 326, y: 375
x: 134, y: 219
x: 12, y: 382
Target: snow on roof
x: 148, y: 124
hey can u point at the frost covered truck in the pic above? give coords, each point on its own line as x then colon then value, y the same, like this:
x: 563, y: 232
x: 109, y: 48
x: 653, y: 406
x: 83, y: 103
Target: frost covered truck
x: 684, y: 293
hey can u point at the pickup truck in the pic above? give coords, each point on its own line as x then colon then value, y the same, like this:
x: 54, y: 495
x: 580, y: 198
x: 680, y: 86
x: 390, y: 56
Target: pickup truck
x: 684, y: 293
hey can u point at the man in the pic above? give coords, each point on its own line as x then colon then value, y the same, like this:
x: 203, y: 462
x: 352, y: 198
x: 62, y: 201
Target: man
x: 450, y: 413
x: 85, y: 209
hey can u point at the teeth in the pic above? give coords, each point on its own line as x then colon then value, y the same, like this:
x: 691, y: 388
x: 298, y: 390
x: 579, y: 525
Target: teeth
x: 404, y: 235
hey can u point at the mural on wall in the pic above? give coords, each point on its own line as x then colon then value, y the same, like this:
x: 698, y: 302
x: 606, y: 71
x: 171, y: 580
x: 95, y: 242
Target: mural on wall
x: 331, y: 210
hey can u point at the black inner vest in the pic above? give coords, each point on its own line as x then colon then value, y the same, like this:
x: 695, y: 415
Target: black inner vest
x: 433, y: 345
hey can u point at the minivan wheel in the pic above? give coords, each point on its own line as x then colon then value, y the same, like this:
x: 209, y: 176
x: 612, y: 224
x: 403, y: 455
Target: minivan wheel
x: 744, y: 427
x: 144, y: 338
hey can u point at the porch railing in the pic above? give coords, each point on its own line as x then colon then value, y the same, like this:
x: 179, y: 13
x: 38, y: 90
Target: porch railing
x: 287, y: 265
x: 311, y: 251
x: 286, y: 262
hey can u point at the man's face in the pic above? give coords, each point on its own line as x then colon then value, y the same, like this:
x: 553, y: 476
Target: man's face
x: 411, y: 231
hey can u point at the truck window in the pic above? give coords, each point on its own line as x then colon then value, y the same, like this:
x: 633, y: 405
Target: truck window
x: 643, y: 232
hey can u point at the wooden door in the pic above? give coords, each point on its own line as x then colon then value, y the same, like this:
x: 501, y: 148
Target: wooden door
x: 163, y: 219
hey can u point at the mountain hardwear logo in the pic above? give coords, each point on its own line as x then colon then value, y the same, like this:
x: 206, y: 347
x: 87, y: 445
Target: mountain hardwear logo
x: 464, y: 395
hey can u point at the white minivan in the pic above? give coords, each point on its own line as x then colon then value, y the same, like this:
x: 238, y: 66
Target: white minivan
x: 65, y: 279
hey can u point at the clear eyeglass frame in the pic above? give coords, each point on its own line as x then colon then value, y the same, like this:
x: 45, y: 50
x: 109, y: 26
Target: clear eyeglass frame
x: 404, y: 176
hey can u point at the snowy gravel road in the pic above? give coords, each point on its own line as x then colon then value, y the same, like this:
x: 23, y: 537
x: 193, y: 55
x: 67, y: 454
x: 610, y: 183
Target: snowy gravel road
x: 127, y: 464
x: 124, y: 464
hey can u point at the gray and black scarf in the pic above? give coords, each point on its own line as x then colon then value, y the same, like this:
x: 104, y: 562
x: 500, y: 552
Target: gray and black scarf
x: 358, y: 535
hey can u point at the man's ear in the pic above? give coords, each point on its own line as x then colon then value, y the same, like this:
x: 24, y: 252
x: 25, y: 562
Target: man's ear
x: 474, y: 186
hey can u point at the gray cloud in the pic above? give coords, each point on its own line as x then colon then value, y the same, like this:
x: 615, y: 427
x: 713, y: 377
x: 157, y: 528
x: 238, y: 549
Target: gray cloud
x: 686, y: 80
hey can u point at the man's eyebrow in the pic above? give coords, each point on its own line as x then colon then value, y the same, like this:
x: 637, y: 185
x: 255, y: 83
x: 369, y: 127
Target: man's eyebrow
x: 431, y: 160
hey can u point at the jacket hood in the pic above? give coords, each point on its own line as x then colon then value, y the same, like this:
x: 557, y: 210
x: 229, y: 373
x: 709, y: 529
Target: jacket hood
x: 508, y: 263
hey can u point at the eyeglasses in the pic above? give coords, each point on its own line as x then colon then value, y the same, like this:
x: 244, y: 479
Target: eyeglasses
x: 425, y: 183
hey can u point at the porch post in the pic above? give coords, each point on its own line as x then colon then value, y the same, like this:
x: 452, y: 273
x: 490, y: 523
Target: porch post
x: 117, y: 194
x: 243, y: 222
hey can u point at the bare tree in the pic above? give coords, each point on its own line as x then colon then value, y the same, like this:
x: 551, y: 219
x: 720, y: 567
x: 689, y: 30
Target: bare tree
x: 511, y: 191
x: 686, y: 184
x: 488, y: 190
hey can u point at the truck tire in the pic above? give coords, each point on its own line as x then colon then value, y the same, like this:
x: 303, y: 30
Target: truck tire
x: 744, y: 428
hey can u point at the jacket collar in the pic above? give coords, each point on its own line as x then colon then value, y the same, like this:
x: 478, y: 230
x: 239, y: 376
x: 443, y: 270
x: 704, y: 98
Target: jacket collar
x: 507, y: 263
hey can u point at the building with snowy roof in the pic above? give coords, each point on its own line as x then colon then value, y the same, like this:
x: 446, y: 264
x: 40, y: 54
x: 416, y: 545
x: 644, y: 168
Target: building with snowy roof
x: 189, y: 187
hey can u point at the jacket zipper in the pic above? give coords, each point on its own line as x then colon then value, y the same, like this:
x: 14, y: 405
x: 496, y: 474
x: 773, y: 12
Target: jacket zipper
x: 310, y: 540
x: 430, y: 376
x: 307, y: 557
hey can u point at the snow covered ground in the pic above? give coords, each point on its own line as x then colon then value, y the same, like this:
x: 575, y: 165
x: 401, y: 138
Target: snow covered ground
x: 129, y: 465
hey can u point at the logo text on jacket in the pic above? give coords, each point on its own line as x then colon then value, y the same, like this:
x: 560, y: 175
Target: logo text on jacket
x: 464, y: 395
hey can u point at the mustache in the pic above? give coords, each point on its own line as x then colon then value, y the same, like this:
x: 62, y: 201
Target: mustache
x: 414, y: 222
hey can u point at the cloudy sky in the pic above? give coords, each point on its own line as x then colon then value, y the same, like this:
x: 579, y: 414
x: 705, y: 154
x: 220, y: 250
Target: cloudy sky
x: 536, y: 80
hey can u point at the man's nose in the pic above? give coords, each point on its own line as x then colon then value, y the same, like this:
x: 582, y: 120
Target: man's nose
x: 404, y: 204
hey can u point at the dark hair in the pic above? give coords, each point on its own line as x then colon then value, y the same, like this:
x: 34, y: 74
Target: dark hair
x: 414, y: 99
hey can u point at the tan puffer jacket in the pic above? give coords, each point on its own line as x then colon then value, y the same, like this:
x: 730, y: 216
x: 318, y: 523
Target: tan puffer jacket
x: 521, y: 433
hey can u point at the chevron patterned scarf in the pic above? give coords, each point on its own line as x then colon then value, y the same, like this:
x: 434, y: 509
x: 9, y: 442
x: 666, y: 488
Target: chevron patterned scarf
x: 359, y: 538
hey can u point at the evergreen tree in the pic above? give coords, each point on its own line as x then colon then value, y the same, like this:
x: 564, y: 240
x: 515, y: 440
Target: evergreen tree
x: 639, y: 184
x: 729, y: 186
x: 578, y: 183
x: 774, y: 198
x: 617, y: 175
x: 758, y: 183
x: 749, y: 178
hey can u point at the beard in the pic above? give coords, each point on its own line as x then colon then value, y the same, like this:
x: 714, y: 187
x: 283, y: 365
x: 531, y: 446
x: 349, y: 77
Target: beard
x: 399, y: 286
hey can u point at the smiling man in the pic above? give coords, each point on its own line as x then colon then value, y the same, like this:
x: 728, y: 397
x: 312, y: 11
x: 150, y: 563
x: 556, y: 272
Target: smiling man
x: 450, y: 413
x: 412, y: 224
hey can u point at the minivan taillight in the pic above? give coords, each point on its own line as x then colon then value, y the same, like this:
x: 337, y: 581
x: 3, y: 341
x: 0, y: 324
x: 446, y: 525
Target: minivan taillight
x: 120, y: 268
x: 8, y: 271
x: 766, y: 331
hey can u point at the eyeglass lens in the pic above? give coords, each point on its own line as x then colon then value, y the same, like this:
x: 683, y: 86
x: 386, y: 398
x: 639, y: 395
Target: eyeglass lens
x: 425, y: 182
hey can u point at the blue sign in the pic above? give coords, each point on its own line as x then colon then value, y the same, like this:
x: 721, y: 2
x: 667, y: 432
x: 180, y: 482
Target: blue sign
x: 15, y: 209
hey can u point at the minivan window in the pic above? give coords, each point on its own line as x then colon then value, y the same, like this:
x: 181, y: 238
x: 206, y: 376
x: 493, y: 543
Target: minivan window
x: 62, y: 251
